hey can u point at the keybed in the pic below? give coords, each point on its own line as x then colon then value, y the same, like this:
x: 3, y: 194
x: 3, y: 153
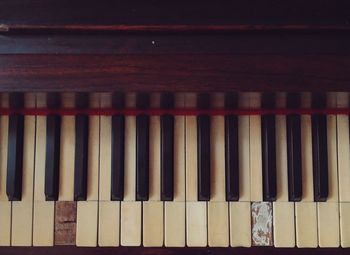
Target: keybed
x: 117, y: 182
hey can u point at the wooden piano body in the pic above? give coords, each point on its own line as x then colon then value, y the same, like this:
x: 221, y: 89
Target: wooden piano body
x: 181, y: 46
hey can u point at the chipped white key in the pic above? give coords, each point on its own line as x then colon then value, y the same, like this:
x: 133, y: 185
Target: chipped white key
x: 262, y: 224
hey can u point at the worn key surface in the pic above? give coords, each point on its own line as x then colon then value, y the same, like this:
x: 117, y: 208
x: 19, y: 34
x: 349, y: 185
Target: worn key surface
x: 65, y: 222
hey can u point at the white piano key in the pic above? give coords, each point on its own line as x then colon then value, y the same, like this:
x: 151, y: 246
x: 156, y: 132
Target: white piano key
x: 332, y: 151
x: 191, y: 150
x: 131, y: 210
x: 283, y: 224
x: 131, y: 226
x: 306, y: 225
x: 93, y: 150
x: 175, y: 224
x: 281, y: 151
x: 306, y: 152
x: 343, y: 146
x: 244, y: 148
x: 328, y: 224
x: 130, y: 151
x: 218, y: 224
x: 109, y: 223
x: 43, y: 211
x: 109, y: 211
x: 179, y: 152
x: 174, y: 211
x: 152, y: 224
x: 217, y: 151
x: 240, y: 224
x: 43, y: 223
x: 86, y: 233
x: 256, y: 192
x: 22, y: 211
x: 153, y: 235
x: 196, y: 224
x: 5, y: 205
x: 4, y: 122
x: 87, y: 211
x: 5, y: 223
x: 344, y: 208
x: 105, y: 150
x: 67, y: 151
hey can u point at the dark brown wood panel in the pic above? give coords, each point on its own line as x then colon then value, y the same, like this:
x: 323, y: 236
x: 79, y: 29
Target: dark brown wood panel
x: 168, y: 72
x: 176, y: 16
x: 296, y: 43
x: 67, y: 250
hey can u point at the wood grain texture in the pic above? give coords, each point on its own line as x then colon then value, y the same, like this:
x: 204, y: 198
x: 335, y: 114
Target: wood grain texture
x: 137, y: 15
x: 198, y: 72
x: 65, y: 223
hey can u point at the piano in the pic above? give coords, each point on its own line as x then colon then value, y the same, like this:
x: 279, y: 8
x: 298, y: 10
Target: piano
x: 154, y: 127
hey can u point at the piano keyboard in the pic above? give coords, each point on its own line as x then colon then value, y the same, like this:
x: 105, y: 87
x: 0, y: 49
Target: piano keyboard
x: 175, y: 181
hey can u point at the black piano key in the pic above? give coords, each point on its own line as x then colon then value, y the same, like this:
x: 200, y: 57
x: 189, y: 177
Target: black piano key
x: 269, y: 157
x: 319, y: 150
x: 15, y: 150
x: 118, y: 136
x: 294, y: 149
x: 142, y: 150
x: 52, y: 159
x: 294, y: 157
x: 203, y: 140
x: 231, y: 151
x: 81, y: 150
x: 319, y: 157
x: 268, y: 136
x: 167, y: 149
